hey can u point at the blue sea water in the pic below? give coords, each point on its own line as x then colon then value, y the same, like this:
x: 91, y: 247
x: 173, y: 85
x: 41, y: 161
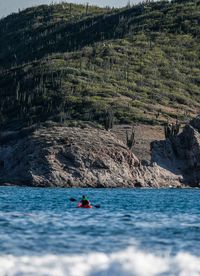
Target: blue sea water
x: 135, y: 232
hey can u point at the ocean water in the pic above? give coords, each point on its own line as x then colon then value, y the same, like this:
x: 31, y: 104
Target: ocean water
x: 135, y: 232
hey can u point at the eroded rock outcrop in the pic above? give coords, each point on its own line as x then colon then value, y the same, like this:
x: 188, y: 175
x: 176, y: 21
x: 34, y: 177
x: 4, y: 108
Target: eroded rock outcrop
x: 180, y: 155
x: 60, y: 156
x: 68, y: 157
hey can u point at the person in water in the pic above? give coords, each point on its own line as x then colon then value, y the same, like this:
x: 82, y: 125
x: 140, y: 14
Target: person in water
x: 85, y: 201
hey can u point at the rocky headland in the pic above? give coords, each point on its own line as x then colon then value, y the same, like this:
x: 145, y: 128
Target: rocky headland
x: 57, y: 156
x: 67, y: 157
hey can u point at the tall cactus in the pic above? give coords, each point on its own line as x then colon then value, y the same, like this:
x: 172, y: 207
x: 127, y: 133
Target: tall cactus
x: 172, y: 130
x: 130, y: 140
x: 109, y: 120
x: 86, y: 8
x: 70, y: 9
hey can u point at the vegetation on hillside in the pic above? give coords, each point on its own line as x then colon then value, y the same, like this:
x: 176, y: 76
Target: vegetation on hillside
x: 64, y: 62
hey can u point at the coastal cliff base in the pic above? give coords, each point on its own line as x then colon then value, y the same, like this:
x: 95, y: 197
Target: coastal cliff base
x: 59, y: 156
x: 68, y: 157
x: 180, y: 154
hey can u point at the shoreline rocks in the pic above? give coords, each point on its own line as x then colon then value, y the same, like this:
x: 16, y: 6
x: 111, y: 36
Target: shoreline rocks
x: 58, y: 156
x: 68, y: 157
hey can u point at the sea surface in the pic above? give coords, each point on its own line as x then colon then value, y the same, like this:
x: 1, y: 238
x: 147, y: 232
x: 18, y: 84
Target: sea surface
x: 135, y: 232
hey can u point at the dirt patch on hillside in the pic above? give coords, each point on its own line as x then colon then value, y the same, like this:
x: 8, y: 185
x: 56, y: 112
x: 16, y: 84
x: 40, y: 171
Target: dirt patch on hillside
x: 144, y: 135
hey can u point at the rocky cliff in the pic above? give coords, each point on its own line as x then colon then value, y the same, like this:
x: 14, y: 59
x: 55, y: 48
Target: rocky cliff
x: 180, y: 154
x: 58, y: 156
x: 67, y: 157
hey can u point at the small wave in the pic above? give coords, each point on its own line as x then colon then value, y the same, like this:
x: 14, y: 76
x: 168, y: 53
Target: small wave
x: 125, y: 263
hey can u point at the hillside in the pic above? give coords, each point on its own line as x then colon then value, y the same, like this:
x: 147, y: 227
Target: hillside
x: 71, y: 62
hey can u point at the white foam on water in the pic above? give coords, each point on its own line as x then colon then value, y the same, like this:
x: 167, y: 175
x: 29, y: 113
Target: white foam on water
x: 125, y: 263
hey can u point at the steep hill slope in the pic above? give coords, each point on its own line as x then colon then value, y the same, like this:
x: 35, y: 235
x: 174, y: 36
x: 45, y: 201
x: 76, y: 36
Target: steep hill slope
x: 61, y: 28
x: 76, y: 62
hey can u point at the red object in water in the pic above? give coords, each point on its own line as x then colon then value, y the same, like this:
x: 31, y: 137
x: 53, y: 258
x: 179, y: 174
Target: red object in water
x: 84, y: 206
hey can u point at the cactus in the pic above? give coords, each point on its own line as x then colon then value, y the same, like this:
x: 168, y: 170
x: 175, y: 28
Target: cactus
x: 86, y: 8
x: 130, y: 141
x: 109, y: 120
x: 172, y: 130
x: 70, y: 9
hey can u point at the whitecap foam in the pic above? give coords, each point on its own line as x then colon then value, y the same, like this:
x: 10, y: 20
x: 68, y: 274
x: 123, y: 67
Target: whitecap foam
x: 125, y: 263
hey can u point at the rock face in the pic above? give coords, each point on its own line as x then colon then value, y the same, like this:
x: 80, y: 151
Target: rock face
x: 180, y: 155
x: 88, y: 157
x: 68, y: 157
